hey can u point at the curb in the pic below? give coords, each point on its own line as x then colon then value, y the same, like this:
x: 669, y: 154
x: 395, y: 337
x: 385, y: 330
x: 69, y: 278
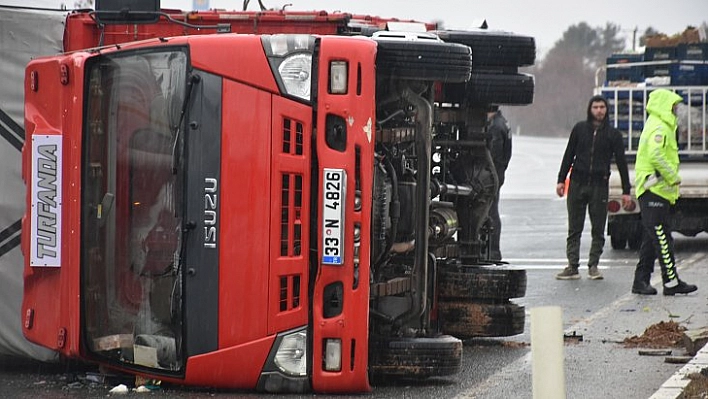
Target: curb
x: 674, y: 386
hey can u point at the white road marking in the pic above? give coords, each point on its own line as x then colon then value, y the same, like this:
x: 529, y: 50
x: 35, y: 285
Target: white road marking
x: 560, y: 263
x: 564, y: 260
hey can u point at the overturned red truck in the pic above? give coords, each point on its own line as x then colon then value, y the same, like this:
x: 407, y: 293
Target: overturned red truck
x: 300, y: 209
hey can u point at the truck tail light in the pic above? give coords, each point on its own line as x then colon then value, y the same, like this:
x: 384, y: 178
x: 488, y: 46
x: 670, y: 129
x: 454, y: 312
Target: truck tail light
x: 631, y: 207
x: 613, y: 206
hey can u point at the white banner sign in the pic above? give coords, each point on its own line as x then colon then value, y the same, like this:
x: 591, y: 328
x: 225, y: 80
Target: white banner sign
x: 45, y: 245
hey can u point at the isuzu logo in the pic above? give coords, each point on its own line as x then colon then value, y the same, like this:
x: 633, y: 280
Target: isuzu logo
x: 46, y: 201
x: 211, y: 195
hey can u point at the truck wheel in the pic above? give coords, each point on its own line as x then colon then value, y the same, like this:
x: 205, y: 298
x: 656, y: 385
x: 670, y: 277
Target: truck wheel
x: 502, y: 89
x: 415, y: 357
x: 466, y: 320
x: 494, y: 48
x: 618, y: 242
x: 423, y: 60
x: 482, y: 282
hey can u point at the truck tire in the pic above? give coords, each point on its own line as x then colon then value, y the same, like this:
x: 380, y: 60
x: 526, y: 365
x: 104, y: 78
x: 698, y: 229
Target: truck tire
x: 423, y: 60
x: 466, y: 320
x: 501, y: 89
x: 618, y: 242
x: 481, y: 282
x: 494, y: 48
x: 415, y: 357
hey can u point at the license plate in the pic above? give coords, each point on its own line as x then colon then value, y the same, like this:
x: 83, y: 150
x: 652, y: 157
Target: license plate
x: 333, y: 197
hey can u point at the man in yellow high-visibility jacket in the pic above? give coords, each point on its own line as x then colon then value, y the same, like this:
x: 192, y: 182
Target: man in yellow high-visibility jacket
x: 657, y: 186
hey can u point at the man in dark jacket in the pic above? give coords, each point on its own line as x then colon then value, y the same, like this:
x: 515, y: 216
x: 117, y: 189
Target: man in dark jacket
x: 500, y: 149
x: 590, y: 148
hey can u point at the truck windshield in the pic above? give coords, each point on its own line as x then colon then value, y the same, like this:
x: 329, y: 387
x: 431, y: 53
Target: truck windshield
x: 131, y: 207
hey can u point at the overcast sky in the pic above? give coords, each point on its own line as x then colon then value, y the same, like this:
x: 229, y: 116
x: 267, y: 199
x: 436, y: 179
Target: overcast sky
x: 546, y: 20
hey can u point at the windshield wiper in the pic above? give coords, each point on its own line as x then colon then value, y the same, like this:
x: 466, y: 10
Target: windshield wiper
x: 191, y: 81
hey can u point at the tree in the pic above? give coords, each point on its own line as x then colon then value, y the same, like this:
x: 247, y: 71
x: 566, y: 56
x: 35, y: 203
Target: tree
x: 608, y: 43
x: 565, y: 79
x: 593, y: 45
x: 647, y: 32
x: 80, y: 4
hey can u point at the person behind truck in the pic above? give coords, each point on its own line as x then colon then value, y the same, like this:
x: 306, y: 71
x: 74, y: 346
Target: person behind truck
x: 657, y: 185
x: 591, y: 146
x: 500, y: 149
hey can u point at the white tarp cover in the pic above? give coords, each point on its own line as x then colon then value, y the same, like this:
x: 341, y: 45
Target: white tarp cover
x: 24, y: 34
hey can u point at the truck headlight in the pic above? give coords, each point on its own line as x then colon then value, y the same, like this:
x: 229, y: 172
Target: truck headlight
x: 291, y: 355
x: 290, y: 58
x: 296, y: 73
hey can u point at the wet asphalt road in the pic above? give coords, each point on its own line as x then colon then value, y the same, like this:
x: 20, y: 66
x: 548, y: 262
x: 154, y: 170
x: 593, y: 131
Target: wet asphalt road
x: 533, y: 237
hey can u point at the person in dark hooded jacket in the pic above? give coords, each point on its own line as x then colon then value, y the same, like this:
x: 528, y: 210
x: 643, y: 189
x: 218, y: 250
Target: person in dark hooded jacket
x: 500, y: 149
x: 591, y: 147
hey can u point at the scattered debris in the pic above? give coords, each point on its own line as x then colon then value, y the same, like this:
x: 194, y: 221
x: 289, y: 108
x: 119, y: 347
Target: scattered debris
x: 697, y: 388
x: 573, y: 338
x: 119, y: 389
x: 695, y: 339
x: 673, y: 315
x: 97, y: 378
x: 515, y: 344
x: 677, y: 359
x: 654, y: 352
x: 665, y: 334
x: 148, y: 383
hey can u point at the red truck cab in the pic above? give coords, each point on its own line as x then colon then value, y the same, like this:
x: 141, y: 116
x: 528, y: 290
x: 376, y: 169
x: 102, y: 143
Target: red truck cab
x: 280, y: 212
x: 178, y: 198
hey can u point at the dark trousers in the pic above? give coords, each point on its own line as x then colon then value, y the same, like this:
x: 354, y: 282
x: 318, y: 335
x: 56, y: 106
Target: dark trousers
x: 495, y: 219
x: 657, y: 241
x: 582, y: 198
x: 495, y: 234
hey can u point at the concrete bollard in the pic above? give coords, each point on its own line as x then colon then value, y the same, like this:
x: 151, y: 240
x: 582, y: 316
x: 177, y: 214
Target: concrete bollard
x: 547, y: 354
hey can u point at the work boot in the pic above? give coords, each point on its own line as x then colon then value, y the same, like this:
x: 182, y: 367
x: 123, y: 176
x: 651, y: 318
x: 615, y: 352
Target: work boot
x: 594, y: 273
x: 680, y: 288
x: 569, y: 273
x: 643, y: 288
